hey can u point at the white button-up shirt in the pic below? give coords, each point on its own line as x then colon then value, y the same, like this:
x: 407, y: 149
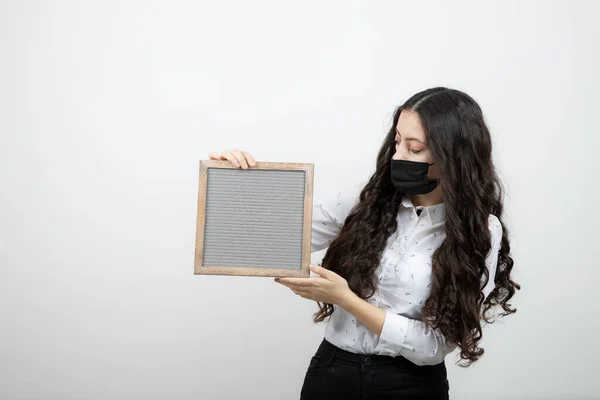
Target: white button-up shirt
x: 404, y: 276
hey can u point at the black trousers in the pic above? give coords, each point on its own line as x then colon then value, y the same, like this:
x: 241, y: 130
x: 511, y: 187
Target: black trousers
x: 334, y: 373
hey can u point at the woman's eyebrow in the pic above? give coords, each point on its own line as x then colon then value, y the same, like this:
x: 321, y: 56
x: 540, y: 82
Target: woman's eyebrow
x: 408, y: 139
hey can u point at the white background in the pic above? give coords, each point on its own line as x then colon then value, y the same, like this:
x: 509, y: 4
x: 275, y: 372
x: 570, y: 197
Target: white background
x: 107, y: 107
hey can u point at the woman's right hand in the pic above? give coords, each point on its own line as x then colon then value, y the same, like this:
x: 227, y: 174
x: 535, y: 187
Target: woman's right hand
x: 236, y: 157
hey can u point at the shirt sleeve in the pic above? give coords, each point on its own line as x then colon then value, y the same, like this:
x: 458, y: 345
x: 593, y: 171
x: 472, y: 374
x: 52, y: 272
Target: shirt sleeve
x: 415, y: 340
x: 329, y: 213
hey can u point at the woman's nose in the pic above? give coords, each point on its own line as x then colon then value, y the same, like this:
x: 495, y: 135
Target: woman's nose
x: 398, y: 156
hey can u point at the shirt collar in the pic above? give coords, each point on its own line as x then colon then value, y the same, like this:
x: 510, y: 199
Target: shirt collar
x: 435, y: 214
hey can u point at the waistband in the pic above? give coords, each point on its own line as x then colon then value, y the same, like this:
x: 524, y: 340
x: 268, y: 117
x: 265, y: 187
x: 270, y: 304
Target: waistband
x: 332, y: 352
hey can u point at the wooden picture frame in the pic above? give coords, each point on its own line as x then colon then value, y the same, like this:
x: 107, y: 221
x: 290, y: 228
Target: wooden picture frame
x: 255, y: 221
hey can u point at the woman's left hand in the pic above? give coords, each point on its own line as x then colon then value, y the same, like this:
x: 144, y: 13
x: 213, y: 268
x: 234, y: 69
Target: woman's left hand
x: 329, y: 287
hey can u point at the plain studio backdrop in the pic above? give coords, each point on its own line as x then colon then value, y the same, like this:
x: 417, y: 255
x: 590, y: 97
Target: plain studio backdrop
x: 107, y: 108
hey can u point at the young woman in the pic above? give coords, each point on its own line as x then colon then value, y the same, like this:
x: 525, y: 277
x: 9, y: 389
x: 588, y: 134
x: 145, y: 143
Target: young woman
x: 417, y: 257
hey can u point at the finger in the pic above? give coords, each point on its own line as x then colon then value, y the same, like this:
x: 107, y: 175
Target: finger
x: 240, y: 157
x: 296, y: 282
x: 214, y: 156
x: 232, y: 159
x: 293, y: 289
x: 249, y: 158
x: 317, y: 269
x: 302, y: 292
x: 289, y: 285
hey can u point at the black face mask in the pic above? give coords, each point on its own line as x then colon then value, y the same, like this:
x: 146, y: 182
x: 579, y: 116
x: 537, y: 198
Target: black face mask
x: 410, y: 177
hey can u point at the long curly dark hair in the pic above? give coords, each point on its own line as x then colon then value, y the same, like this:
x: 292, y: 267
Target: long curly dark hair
x: 461, y: 144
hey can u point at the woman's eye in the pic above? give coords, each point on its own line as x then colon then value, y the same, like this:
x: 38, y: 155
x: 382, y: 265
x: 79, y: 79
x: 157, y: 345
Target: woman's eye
x: 416, y: 151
